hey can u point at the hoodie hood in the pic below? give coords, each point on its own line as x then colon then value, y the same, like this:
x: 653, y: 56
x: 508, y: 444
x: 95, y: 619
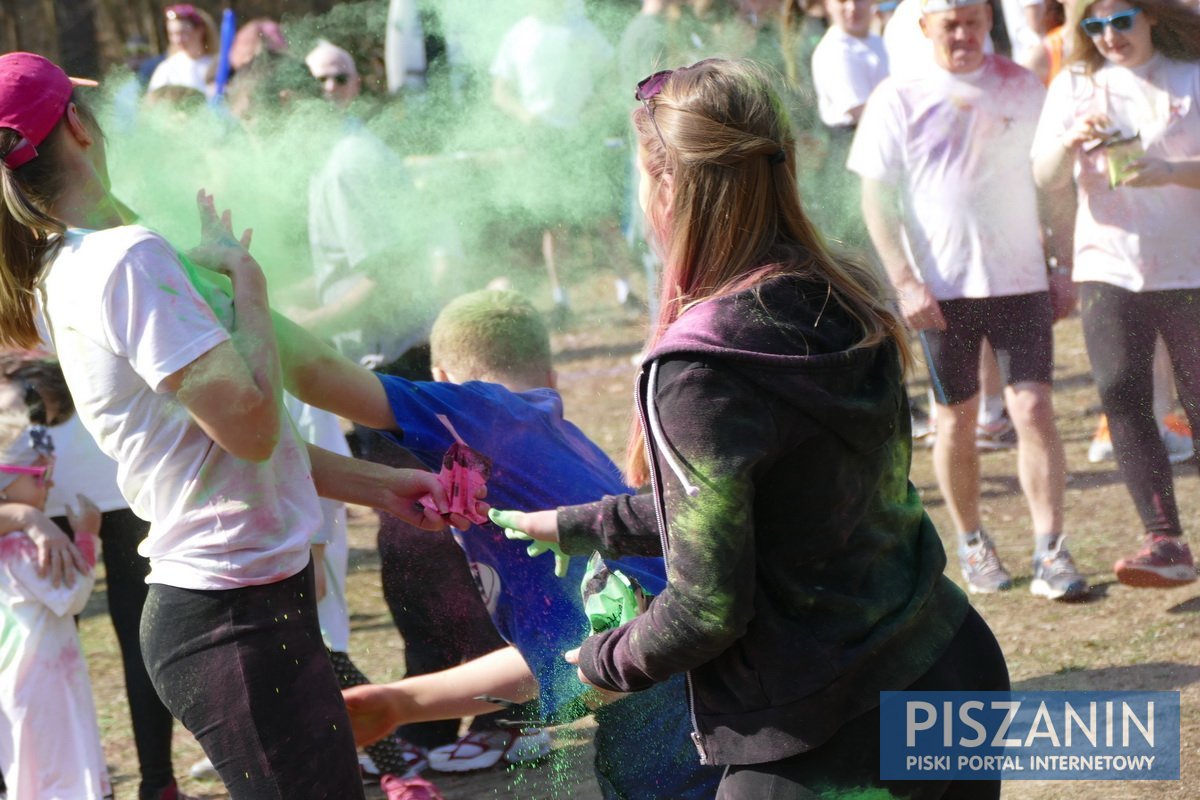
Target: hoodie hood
x: 790, y: 337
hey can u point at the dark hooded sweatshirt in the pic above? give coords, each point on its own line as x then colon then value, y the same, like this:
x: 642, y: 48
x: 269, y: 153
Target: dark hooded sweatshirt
x: 804, y: 576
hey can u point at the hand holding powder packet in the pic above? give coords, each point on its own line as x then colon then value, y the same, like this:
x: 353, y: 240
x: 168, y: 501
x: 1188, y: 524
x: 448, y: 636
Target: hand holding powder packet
x: 464, y: 471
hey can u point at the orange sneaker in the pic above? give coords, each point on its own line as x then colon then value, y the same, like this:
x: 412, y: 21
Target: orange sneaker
x: 1101, y: 448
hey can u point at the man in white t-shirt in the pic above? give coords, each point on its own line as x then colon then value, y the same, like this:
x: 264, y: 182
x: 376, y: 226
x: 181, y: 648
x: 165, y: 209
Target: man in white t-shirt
x: 951, y: 207
x: 848, y: 63
x: 368, y: 291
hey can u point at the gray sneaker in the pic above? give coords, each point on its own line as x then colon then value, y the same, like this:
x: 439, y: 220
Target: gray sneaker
x: 981, y: 567
x: 1055, y: 576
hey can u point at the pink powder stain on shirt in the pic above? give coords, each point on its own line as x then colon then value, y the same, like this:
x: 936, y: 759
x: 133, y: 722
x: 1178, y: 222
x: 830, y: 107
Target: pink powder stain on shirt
x: 68, y: 660
x: 17, y: 546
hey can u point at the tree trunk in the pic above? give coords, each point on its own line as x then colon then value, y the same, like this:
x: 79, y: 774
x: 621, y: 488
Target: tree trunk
x: 77, y: 37
x: 29, y: 25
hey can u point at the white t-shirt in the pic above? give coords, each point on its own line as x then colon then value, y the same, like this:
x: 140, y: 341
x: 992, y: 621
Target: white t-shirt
x: 553, y: 67
x: 49, y: 738
x: 319, y: 427
x: 957, y: 145
x: 180, y: 69
x: 909, y: 52
x: 81, y: 468
x: 124, y: 317
x: 351, y: 217
x: 845, y: 70
x: 1024, y: 39
x: 1140, y: 239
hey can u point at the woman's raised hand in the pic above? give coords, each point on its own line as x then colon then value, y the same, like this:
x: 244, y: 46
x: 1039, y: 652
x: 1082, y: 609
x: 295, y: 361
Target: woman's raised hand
x: 219, y: 250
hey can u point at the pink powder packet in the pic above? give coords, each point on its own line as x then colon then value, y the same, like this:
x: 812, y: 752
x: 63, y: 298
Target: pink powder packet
x: 464, y: 470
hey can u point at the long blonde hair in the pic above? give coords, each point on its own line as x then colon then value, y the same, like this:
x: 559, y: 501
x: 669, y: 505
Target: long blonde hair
x: 720, y: 133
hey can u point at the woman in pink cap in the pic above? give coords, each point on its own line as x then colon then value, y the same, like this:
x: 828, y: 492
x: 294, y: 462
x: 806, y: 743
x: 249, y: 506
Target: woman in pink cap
x: 176, y: 372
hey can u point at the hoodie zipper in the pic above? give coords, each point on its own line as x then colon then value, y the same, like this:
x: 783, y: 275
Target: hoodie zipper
x: 659, y: 503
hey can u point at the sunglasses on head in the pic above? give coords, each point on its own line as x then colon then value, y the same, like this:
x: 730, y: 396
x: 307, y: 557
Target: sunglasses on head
x: 647, y: 89
x: 41, y: 473
x: 341, y: 78
x: 1121, y: 21
x: 184, y: 12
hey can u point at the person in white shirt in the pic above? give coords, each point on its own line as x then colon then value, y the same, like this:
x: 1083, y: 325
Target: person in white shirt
x: 193, y: 46
x: 951, y: 207
x: 185, y: 394
x: 848, y: 63
x: 1123, y: 121
x: 373, y: 302
x: 1026, y: 24
x: 49, y: 738
x: 545, y: 77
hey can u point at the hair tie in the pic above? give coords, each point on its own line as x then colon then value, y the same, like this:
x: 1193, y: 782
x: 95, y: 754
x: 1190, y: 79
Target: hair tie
x: 778, y: 157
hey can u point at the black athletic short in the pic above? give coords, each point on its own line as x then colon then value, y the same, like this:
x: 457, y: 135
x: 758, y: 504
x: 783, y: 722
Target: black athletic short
x: 1018, y: 328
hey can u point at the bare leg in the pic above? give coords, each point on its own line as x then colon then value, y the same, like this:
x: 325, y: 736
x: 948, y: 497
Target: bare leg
x: 1041, y: 463
x: 1164, y: 382
x: 956, y: 462
x: 991, y: 386
x: 549, y: 256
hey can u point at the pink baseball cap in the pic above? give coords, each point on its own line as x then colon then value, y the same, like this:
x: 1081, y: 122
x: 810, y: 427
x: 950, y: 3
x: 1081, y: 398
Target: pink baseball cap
x: 34, y: 93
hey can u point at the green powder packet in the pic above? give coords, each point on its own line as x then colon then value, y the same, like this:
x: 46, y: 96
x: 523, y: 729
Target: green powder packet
x: 610, y: 598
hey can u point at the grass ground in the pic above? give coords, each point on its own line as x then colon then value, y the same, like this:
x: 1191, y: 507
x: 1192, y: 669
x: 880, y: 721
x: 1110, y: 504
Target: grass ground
x: 1120, y: 638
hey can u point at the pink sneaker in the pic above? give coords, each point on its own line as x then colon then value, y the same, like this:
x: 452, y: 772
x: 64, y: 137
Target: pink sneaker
x: 1164, y: 562
x: 409, y: 789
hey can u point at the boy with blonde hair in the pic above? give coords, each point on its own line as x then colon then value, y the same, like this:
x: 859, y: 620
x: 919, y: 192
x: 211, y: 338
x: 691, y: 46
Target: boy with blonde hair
x: 493, y: 383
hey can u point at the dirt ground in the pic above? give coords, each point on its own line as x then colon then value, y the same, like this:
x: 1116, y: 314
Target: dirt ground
x: 1120, y: 638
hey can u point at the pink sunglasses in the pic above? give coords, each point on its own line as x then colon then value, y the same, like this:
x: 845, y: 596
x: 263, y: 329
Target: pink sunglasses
x: 41, y: 474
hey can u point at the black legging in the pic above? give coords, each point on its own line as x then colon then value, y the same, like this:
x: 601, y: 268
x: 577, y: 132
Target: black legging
x: 850, y: 760
x: 246, y: 672
x: 1120, y: 327
x: 125, y: 572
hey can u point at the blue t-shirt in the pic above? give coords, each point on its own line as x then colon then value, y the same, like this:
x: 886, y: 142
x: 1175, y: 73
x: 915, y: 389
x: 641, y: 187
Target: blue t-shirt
x: 540, y: 461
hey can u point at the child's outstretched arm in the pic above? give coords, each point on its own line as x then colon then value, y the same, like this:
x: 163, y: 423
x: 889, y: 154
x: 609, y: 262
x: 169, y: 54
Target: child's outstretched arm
x: 320, y: 376
x: 376, y: 709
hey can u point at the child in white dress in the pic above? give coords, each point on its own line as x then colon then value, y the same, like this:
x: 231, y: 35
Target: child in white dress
x: 49, y: 739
